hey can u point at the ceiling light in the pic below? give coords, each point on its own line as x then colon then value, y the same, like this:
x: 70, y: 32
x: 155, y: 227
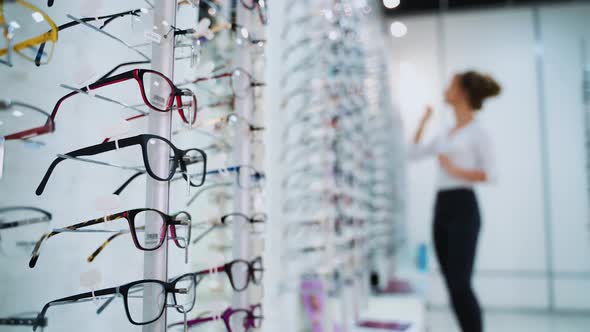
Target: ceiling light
x: 390, y: 4
x: 398, y: 29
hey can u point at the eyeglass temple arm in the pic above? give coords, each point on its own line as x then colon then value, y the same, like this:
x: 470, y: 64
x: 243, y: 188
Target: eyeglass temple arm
x: 46, y: 216
x: 92, y: 256
x: 23, y: 321
x: 126, y: 183
x: 44, y: 237
x: 24, y: 222
x: 214, y: 77
x: 202, y: 235
x: 87, y: 151
x: 132, y: 63
x: 195, y: 321
x: 72, y: 299
x: 109, y: 301
x: 218, y: 269
x: 100, y: 83
x: 143, y: 55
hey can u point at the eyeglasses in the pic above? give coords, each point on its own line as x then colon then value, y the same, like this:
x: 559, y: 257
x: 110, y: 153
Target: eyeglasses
x: 239, y: 272
x: 157, y: 91
x: 247, y: 177
x: 13, y: 240
x: 152, y: 223
x: 11, y: 10
x: 106, y: 20
x: 235, y: 218
x: 152, y: 146
x: 20, y: 120
x: 235, y: 320
x: 229, y: 120
x: 138, y: 296
x: 242, y: 82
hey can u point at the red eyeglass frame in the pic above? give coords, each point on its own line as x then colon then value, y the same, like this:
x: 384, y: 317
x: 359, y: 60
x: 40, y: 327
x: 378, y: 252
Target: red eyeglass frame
x: 136, y: 74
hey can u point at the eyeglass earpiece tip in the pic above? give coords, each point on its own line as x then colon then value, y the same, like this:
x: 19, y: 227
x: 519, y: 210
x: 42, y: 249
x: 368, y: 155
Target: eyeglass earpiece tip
x: 33, y: 261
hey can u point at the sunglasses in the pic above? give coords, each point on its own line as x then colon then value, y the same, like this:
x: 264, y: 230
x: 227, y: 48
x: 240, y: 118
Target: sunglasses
x: 152, y: 225
x: 152, y: 146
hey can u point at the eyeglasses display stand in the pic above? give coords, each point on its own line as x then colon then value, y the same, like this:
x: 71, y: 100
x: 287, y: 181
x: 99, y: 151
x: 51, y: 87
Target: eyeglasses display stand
x: 338, y: 206
x: 157, y: 192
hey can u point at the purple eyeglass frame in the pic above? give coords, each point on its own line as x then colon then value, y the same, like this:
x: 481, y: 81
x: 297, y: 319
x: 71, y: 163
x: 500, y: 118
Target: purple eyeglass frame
x: 227, y: 313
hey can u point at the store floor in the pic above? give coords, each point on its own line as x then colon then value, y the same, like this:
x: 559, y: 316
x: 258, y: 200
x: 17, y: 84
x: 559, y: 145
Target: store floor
x: 441, y: 320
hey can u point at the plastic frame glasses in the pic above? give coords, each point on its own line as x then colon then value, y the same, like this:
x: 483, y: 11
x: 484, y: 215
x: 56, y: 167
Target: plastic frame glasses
x: 239, y: 272
x: 250, y: 272
x: 148, y: 144
x: 231, y: 218
x: 246, y: 176
x: 150, y: 242
x: 178, y: 240
x: 45, y: 216
x: 161, y: 101
x: 235, y: 320
x: 242, y: 82
x: 50, y: 36
x: 7, y: 104
x: 129, y: 292
x: 20, y: 243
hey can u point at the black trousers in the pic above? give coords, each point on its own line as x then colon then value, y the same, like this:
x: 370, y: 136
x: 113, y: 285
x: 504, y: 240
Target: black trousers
x: 456, y: 230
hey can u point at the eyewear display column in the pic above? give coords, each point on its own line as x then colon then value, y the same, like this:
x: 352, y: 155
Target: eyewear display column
x: 157, y: 192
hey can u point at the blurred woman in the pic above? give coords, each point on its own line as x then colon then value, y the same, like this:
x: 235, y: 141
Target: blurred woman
x: 465, y: 158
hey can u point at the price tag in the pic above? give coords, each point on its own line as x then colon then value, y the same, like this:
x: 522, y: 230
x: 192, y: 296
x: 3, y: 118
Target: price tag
x: 2, y: 141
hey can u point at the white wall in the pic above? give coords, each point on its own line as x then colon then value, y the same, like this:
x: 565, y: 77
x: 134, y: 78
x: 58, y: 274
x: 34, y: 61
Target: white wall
x: 513, y: 252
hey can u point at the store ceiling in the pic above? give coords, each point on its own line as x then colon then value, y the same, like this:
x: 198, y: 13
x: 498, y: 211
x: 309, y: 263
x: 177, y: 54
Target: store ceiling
x: 425, y: 6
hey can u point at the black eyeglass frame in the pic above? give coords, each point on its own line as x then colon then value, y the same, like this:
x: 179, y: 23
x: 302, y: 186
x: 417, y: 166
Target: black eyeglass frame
x: 142, y: 140
x: 122, y: 290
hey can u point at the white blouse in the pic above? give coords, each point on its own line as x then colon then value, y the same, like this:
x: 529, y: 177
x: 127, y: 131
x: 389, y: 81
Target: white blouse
x: 469, y: 148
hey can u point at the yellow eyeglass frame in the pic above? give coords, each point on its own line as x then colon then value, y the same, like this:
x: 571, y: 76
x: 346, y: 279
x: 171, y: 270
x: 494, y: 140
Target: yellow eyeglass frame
x: 50, y: 35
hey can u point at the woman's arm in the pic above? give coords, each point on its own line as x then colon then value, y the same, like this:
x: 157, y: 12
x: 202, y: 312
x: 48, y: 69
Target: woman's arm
x: 416, y: 150
x: 461, y: 173
x: 423, y: 122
